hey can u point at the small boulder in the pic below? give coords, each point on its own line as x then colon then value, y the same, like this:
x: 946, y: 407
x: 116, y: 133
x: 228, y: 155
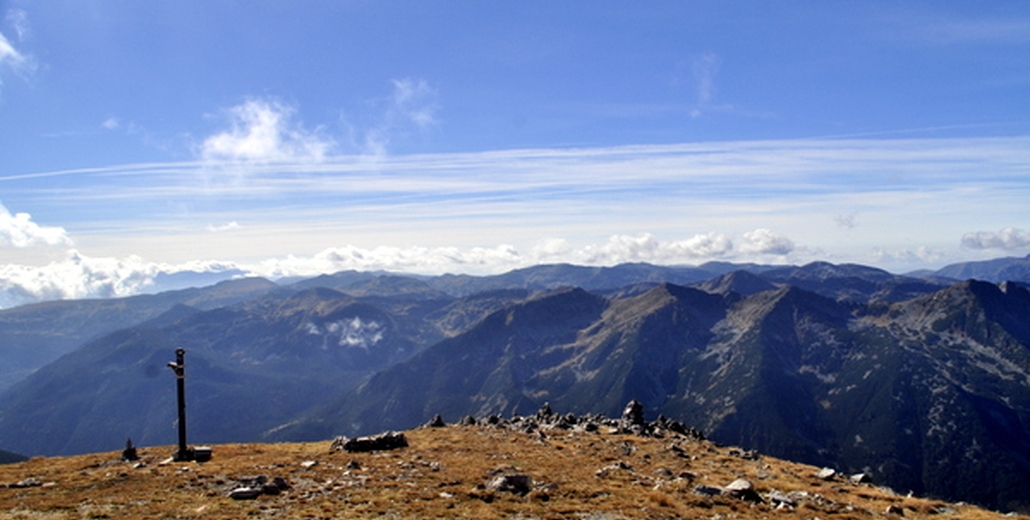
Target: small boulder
x: 707, y: 491
x: 742, y: 489
x: 382, y: 442
x: 860, y: 478
x: 633, y: 414
x: 826, y: 474
x: 894, y: 510
x: 520, y: 484
x: 245, y: 493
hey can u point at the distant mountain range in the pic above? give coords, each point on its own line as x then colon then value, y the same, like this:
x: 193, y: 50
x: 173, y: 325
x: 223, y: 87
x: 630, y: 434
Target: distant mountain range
x: 908, y: 378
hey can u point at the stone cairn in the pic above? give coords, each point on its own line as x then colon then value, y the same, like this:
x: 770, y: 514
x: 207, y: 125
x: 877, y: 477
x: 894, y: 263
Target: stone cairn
x: 545, y: 419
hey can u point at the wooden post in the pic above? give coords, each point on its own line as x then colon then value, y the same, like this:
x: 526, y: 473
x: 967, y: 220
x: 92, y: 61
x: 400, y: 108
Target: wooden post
x: 179, y: 367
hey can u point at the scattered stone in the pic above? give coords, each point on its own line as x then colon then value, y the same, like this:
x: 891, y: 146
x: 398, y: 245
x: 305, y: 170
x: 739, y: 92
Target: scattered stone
x: 544, y: 412
x: 382, y: 442
x: 707, y: 491
x: 826, y: 474
x: 687, y: 475
x: 744, y: 454
x: 546, y: 420
x: 27, y: 483
x: 308, y: 464
x: 894, y: 510
x: 633, y: 414
x: 437, y: 422
x: 607, y: 470
x: 519, y: 484
x: 275, y: 487
x: 353, y: 464
x: 281, y: 483
x: 860, y: 478
x: 245, y: 493
x: 742, y: 489
x: 780, y: 499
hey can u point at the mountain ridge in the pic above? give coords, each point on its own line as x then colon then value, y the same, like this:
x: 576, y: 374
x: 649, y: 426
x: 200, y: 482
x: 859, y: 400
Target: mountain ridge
x: 844, y: 366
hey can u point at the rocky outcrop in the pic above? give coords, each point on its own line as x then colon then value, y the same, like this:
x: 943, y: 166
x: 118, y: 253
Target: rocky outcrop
x: 546, y: 420
x: 381, y: 442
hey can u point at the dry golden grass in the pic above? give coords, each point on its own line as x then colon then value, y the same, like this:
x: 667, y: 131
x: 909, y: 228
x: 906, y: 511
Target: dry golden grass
x: 442, y: 475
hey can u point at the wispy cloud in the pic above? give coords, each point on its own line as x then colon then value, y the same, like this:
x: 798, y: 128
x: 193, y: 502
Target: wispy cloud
x: 487, y: 212
x: 704, y: 69
x: 411, y: 107
x: 845, y: 221
x: 1008, y: 239
x: 18, y: 20
x: 18, y: 230
x: 976, y: 31
x: 262, y: 130
x: 11, y: 59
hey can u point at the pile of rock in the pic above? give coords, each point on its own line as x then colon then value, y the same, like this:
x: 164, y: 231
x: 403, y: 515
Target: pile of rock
x: 381, y: 442
x: 21, y: 484
x: 249, y: 488
x: 545, y: 419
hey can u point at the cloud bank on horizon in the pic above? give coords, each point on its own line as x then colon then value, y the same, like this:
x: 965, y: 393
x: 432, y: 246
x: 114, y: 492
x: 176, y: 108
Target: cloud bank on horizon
x: 503, y: 141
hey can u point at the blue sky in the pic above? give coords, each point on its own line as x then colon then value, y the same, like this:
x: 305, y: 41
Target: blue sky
x: 293, y: 138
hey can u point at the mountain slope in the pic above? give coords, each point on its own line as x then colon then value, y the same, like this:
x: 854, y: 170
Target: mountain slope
x: 250, y: 366
x: 7, y: 457
x: 997, y: 270
x: 34, y: 335
x: 906, y: 391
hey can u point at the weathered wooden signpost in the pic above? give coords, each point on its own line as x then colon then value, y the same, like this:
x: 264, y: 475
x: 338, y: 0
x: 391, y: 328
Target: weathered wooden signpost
x: 201, y: 453
x: 179, y: 367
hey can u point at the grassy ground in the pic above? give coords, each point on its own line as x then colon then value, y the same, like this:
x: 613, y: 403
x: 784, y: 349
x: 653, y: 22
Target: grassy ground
x: 443, y: 474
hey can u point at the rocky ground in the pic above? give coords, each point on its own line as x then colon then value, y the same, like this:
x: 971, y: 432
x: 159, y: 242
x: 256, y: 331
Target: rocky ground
x: 547, y: 466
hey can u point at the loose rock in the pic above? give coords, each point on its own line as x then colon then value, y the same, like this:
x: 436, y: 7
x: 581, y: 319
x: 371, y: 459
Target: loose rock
x: 520, y: 484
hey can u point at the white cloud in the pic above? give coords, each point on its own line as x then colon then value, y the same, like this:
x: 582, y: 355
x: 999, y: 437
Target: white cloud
x: 912, y: 257
x: 765, y: 242
x: 18, y: 230
x: 263, y: 131
x: 76, y: 277
x: 478, y: 260
x: 414, y: 259
x: 1008, y: 239
x: 10, y: 56
x: 351, y: 333
x: 230, y: 226
x: 647, y: 248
